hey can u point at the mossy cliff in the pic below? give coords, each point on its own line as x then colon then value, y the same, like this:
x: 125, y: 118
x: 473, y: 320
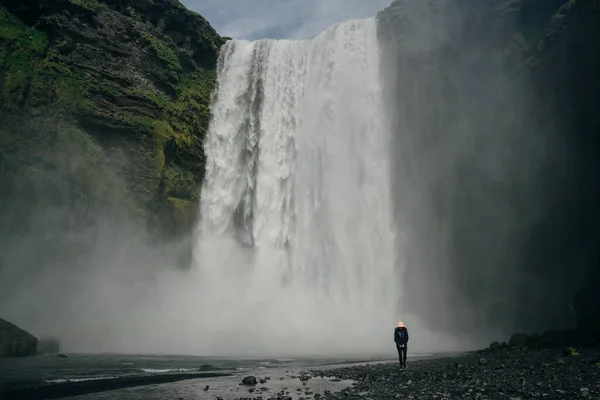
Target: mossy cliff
x: 503, y: 98
x: 104, y: 105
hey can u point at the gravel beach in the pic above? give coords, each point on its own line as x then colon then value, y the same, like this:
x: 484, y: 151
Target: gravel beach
x: 507, y: 373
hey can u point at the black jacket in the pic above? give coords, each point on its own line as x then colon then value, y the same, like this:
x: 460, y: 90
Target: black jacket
x: 401, y: 336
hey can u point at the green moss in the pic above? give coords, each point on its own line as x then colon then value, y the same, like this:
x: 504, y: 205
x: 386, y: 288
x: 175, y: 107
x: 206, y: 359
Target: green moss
x: 182, y: 208
x: 51, y: 155
x: 180, y: 215
x: 12, y: 29
x: 571, y: 352
x: 180, y: 182
x: 162, y: 131
x: 21, y: 49
x: 88, y: 4
x: 190, y: 113
x: 158, y: 100
x: 120, y: 86
x: 163, y: 48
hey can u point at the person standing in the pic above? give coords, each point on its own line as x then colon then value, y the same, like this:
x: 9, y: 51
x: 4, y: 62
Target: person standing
x: 401, y: 340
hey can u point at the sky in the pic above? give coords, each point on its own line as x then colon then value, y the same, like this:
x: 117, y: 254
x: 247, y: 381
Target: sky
x: 280, y: 19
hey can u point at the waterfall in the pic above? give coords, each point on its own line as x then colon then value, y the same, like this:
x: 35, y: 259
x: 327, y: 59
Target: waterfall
x: 295, y: 249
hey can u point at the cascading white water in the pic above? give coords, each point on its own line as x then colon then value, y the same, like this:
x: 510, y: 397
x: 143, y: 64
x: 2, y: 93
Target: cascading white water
x: 295, y: 250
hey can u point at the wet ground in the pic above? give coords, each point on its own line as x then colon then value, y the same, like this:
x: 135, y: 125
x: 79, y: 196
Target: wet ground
x: 508, y: 373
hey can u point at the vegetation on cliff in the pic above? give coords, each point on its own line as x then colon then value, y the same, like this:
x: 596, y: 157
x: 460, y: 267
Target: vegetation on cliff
x: 104, y: 103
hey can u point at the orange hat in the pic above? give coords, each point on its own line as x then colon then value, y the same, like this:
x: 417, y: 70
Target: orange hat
x: 400, y: 324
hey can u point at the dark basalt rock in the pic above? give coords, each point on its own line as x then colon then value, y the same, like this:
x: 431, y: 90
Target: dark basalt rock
x: 549, y: 51
x: 511, y: 373
x: 494, y: 346
x: 249, y: 380
x: 16, y: 342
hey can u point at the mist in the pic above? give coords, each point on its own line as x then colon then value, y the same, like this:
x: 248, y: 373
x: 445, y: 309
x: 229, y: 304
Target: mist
x: 380, y: 172
x: 480, y: 174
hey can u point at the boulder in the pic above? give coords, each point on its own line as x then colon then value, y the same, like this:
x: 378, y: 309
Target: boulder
x: 494, y: 346
x: 16, y: 342
x: 570, y: 352
x: 249, y: 380
x: 48, y: 346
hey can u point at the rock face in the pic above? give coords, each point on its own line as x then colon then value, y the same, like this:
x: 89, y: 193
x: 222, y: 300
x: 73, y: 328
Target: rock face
x: 587, y: 300
x: 15, y: 342
x: 514, y: 81
x: 105, y: 103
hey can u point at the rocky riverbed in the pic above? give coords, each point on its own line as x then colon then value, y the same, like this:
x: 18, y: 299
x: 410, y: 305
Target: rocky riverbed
x: 504, y: 373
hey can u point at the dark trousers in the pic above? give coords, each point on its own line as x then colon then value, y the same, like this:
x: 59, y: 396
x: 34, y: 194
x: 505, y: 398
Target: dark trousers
x: 402, y: 354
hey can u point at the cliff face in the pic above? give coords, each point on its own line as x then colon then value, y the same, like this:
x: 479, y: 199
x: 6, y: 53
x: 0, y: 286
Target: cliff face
x: 104, y: 105
x: 15, y: 342
x: 497, y: 139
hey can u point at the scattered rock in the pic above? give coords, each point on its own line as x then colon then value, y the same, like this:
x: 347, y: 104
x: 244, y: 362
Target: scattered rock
x: 62, y: 356
x: 494, y: 346
x: 521, y: 375
x: 206, y: 388
x: 304, y: 377
x: 570, y: 352
x: 249, y: 380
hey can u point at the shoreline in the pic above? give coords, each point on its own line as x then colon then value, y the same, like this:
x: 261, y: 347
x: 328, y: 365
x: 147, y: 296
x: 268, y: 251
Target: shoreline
x: 506, y: 373
x: 223, y: 384
x: 67, y: 389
